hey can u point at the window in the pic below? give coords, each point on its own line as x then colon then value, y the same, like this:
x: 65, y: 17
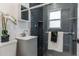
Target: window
x: 55, y: 15
x: 55, y: 24
x: 54, y: 19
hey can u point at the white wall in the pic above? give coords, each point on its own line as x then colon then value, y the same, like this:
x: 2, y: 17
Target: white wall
x: 12, y: 9
x: 23, y: 25
x: 58, y: 46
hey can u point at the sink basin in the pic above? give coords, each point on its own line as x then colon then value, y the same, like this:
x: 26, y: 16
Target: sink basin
x: 26, y: 37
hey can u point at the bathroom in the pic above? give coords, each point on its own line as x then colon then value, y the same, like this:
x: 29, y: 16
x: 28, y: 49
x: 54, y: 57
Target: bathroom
x: 41, y: 29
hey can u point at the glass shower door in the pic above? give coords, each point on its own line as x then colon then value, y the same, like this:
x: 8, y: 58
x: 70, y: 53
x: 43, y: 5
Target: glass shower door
x: 69, y: 28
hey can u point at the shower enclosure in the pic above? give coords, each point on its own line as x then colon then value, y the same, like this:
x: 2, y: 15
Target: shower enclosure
x: 68, y: 26
x: 39, y: 27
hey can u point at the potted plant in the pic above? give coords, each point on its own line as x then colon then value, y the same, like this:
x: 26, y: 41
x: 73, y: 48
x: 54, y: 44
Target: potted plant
x: 5, y: 35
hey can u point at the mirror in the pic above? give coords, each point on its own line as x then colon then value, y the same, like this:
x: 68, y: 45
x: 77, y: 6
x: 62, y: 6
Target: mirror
x: 24, y: 15
x: 23, y: 7
x: 24, y: 11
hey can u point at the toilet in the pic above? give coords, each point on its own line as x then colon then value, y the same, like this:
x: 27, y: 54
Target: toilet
x: 8, y: 48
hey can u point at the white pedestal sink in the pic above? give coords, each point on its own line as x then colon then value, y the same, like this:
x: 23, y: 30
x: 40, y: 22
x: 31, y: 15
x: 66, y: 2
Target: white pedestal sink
x: 27, y: 46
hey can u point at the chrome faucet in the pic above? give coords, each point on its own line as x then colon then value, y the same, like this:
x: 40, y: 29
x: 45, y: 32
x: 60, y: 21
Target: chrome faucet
x: 24, y: 33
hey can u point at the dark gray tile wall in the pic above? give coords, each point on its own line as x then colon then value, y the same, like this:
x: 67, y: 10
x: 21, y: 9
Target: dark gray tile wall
x: 40, y: 29
x: 68, y: 10
x: 37, y: 27
x: 36, y: 16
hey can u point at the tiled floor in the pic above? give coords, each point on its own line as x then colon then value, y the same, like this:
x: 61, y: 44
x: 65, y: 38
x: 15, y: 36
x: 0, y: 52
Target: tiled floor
x: 55, y: 53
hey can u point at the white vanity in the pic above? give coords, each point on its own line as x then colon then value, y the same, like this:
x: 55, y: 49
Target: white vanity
x: 8, y: 48
x: 27, y: 46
